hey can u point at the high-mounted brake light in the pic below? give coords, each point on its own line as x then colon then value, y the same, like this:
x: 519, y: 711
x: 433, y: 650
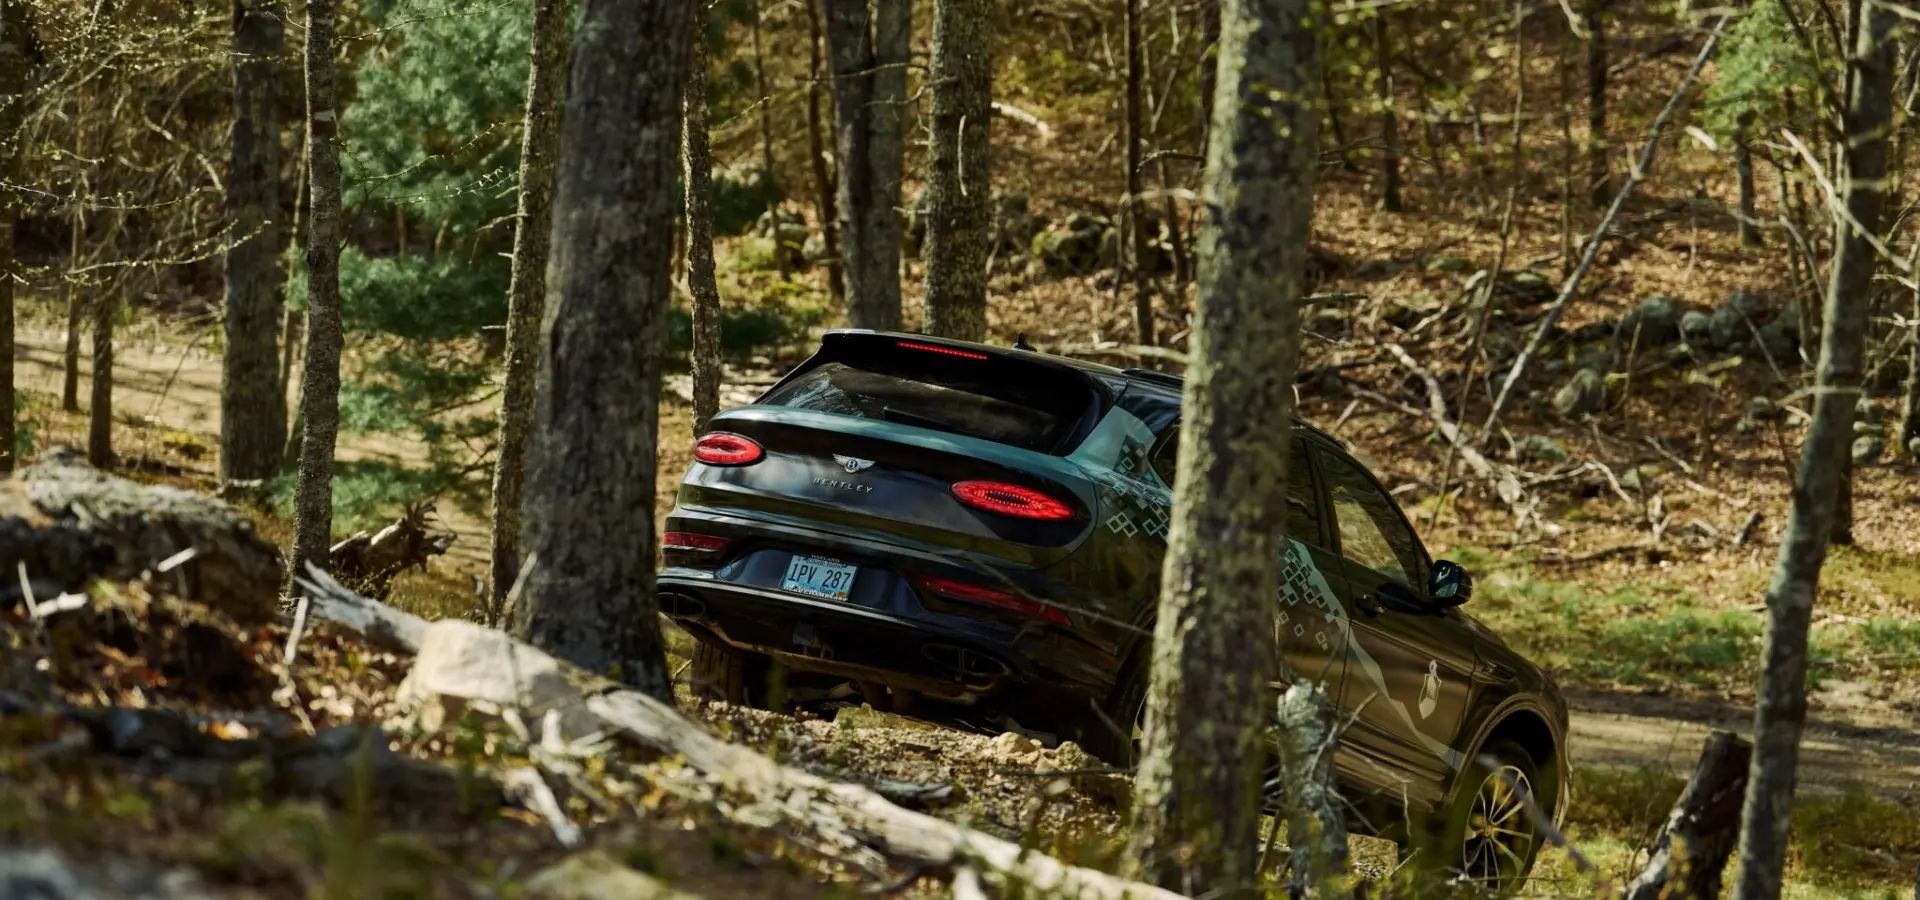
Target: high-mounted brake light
x: 720, y: 448
x: 935, y: 348
x: 973, y: 593
x: 681, y: 540
x: 1011, y: 500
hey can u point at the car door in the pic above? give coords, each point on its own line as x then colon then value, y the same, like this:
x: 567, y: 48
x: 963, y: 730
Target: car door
x: 1410, y: 663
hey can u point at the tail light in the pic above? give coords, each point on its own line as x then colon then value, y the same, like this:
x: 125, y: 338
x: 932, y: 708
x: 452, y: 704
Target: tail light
x: 1011, y: 500
x: 721, y: 448
x: 973, y: 593
x: 703, y: 543
x: 936, y: 348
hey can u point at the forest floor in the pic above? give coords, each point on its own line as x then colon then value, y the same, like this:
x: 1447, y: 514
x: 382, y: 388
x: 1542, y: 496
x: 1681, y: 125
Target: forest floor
x: 1603, y: 626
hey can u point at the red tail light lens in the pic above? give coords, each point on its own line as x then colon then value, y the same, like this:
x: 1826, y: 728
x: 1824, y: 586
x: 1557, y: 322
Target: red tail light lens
x: 681, y: 540
x: 936, y: 348
x: 720, y: 448
x: 973, y: 593
x: 1011, y: 500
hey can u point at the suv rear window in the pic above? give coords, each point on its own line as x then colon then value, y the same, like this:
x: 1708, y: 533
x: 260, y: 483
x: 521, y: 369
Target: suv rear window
x: 960, y: 397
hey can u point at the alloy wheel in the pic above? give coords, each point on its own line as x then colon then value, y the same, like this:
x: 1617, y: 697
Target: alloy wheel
x: 1499, y: 835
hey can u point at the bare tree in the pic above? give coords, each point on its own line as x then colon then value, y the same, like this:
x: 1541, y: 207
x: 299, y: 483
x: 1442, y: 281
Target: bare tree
x: 1136, y: 142
x: 1910, y: 399
x: 587, y: 595
x: 959, y: 176
x: 823, y: 183
x: 106, y: 308
x: 253, y: 408
x: 16, y: 67
x: 527, y: 288
x: 699, y: 186
x: 1389, y: 119
x: 1743, y: 172
x: 320, y: 370
x: 1599, y: 187
x: 1781, y: 708
x: 1196, y: 806
x: 869, y: 46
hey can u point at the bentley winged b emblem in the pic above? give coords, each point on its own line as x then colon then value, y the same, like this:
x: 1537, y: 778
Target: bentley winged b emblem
x: 853, y: 463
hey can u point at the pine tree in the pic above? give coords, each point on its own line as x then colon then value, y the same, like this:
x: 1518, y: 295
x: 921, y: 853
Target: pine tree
x: 959, y: 178
x: 320, y: 371
x: 539, y: 148
x: 1196, y: 796
x: 253, y: 408
x: 587, y: 594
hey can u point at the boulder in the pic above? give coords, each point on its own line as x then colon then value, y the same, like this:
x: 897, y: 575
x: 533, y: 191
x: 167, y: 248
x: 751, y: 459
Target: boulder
x: 48, y: 873
x: 790, y: 242
x: 1913, y: 448
x: 68, y: 524
x: 1326, y: 322
x: 1779, y: 341
x: 1728, y: 327
x: 1869, y: 412
x: 1656, y: 321
x: 596, y: 875
x: 1696, y: 328
x: 460, y: 662
x: 1526, y: 286
x: 1581, y: 395
x: 1540, y: 448
x: 1083, y: 246
x: 1763, y: 409
x: 1641, y: 479
x: 1013, y: 225
x: 1450, y: 264
x: 1867, y: 449
x: 1863, y: 429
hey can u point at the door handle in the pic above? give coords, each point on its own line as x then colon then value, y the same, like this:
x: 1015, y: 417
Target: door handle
x: 1366, y: 604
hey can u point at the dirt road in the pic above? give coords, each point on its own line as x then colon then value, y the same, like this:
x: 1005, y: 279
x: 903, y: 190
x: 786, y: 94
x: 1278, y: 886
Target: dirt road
x: 173, y: 385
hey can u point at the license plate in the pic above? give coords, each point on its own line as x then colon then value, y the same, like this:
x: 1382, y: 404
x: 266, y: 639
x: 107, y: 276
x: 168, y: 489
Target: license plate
x: 818, y: 577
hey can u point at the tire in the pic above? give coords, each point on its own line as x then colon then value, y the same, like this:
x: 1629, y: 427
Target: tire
x: 729, y: 675
x: 1487, y: 836
x: 1113, y: 734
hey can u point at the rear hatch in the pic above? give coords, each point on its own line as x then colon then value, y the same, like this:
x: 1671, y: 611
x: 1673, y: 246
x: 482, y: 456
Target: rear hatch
x: 871, y: 436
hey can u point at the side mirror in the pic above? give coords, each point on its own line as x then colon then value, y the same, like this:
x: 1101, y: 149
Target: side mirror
x: 1450, y: 585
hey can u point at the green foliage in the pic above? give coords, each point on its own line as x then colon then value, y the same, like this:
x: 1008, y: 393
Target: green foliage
x: 745, y: 331
x: 738, y: 203
x: 1761, y: 60
x: 368, y: 494
x: 418, y: 298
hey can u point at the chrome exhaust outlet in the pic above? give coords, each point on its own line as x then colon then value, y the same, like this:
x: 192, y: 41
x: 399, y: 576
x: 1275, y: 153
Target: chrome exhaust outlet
x: 683, y: 606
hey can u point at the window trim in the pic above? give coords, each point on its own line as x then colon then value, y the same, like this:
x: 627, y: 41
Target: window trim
x: 1422, y: 557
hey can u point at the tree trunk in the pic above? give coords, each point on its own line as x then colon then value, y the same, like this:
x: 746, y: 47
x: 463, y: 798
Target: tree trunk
x: 527, y: 291
x: 1196, y: 806
x: 1389, y: 121
x: 823, y: 184
x: 253, y: 410
x: 70, y: 359
x: 959, y: 182
x: 1316, y: 831
x: 768, y: 180
x: 1910, y: 402
x: 320, y: 370
x: 1566, y: 155
x: 1743, y: 170
x: 1209, y: 64
x: 293, y: 326
x: 16, y: 51
x: 869, y: 55
x: 700, y: 276
x: 1599, y: 190
x: 106, y: 307
x: 1781, y: 709
x: 587, y: 594
x: 1692, y: 849
x: 1136, y: 140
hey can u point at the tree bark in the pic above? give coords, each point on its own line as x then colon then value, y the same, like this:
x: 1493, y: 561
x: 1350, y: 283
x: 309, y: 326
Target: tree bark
x: 1389, y: 120
x: 1136, y: 140
x: 959, y: 178
x: 823, y: 183
x: 16, y: 67
x: 106, y: 307
x: 1692, y: 849
x: 70, y: 358
x: 869, y: 56
x: 526, y: 293
x: 587, y: 594
x: 700, y: 274
x: 1781, y: 709
x: 253, y: 409
x: 1196, y: 807
x: 766, y: 122
x: 1599, y: 188
x: 1316, y: 831
x: 320, y: 370
x: 1743, y: 172
x: 1910, y: 400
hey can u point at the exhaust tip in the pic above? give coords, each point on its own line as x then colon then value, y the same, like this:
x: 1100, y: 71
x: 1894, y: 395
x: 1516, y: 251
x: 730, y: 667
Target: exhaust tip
x: 683, y: 606
x: 965, y: 662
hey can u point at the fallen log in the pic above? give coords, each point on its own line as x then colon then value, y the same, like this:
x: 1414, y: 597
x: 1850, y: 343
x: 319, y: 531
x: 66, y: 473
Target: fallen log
x: 1503, y: 480
x: 801, y: 798
x: 1692, y: 850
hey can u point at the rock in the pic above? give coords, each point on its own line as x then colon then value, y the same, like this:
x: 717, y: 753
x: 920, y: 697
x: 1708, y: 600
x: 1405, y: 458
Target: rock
x: 1076, y: 250
x: 1450, y: 264
x: 1330, y: 323
x: 1728, y: 326
x: 70, y: 524
x: 771, y: 221
x: 1867, y: 449
x: 1581, y: 395
x: 1527, y: 286
x: 1869, y: 412
x: 1013, y: 225
x: 815, y: 249
x: 1641, y: 479
x: 1541, y: 448
x: 45, y: 873
x: 461, y: 661
x: 1696, y: 328
x: 1779, y: 341
x: 1763, y: 409
x: 1406, y: 312
x: 596, y: 875
x: 1863, y: 429
x: 1913, y: 448
x: 1596, y: 359
x: 1602, y: 330
x: 339, y: 763
x: 1656, y: 320
x: 790, y: 243
x: 1011, y: 748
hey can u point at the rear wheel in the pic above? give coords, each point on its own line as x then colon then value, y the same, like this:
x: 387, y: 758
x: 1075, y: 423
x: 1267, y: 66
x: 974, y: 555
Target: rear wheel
x: 1114, y: 733
x: 1489, y: 837
x: 723, y: 673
